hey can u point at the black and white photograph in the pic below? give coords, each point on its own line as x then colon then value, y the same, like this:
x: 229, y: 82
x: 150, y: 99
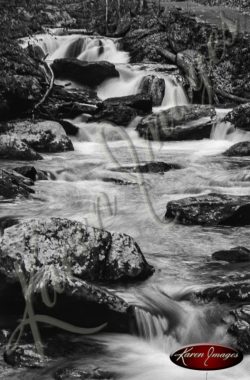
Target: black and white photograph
x: 124, y: 189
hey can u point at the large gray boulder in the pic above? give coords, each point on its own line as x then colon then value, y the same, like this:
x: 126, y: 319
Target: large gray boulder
x: 211, y: 209
x: 241, y: 149
x: 87, y: 73
x: 13, y: 148
x: 42, y: 135
x: 91, y: 254
x: 154, y: 86
x: 191, y: 122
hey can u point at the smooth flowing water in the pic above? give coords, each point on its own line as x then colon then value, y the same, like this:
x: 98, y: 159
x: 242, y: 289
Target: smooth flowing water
x: 84, y: 191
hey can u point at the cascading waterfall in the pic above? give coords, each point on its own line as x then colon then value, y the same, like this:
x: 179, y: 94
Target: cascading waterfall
x: 226, y: 131
x: 85, y: 48
x: 164, y: 325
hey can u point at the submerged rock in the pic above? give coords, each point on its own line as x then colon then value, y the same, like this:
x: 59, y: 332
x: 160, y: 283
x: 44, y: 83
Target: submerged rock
x: 33, y: 173
x: 233, y: 255
x: 239, y: 150
x: 239, y: 117
x: 91, y: 253
x: 89, y: 373
x: 154, y: 86
x: 191, y: 122
x: 13, y: 148
x: 211, y: 209
x: 13, y: 185
x: 87, y: 73
x: 149, y: 167
x: 122, y: 110
x: 42, y: 135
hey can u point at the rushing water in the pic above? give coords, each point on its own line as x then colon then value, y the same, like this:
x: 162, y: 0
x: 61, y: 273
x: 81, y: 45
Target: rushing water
x: 181, y: 254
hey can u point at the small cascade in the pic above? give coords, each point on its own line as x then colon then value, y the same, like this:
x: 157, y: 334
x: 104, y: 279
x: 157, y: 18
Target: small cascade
x: 150, y: 326
x: 85, y: 48
x: 127, y: 84
x: 226, y: 131
x: 174, y: 94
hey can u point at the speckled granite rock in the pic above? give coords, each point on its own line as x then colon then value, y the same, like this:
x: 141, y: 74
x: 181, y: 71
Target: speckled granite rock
x: 211, y: 209
x: 41, y: 135
x: 90, y: 253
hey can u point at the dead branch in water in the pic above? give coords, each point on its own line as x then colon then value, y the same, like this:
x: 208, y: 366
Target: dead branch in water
x: 52, y: 79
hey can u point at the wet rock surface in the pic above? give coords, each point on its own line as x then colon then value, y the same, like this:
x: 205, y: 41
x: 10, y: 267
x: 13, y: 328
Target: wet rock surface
x: 13, y: 185
x: 32, y: 173
x: 239, y: 117
x: 14, y: 148
x: 87, y: 73
x: 41, y: 135
x: 91, y: 253
x: 122, y: 110
x: 191, y: 122
x: 68, y: 103
x: 241, y: 149
x: 154, y: 86
x: 240, y: 329
x: 230, y: 294
x: 233, y: 255
x: 25, y: 356
x: 89, y: 373
x: 212, y: 209
x: 150, y: 167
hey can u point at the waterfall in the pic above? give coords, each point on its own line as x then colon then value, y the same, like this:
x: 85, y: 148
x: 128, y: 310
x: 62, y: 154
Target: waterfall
x: 226, y: 131
x: 85, y: 48
x: 150, y: 326
x: 174, y: 94
x: 127, y: 84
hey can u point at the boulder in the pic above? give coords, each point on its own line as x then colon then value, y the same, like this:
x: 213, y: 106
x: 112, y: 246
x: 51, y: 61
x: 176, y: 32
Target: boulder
x: 13, y: 185
x: 240, y: 328
x: 13, y: 148
x: 154, y: 86
x: 68, y: 103
x: 36, y: 52
x: 34, y: 174
x: 92, y: 254
x: 70, y: 129
x: 239, y: 117
x: 233, y: 255
x: 149, y: 167
x: 26, y: 356
x: 119, y: 115
x: 22, y: 80
x: 230, y: 294
x: 41, y: 135
x: 191, y: 122
x: 211, y: 209
x: 122, y: 110
x: 241, y: 149
x: 87, y: 73
x: 78, y: 305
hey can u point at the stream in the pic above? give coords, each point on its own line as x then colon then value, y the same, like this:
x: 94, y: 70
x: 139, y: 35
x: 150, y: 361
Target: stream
x: 84, y: 190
